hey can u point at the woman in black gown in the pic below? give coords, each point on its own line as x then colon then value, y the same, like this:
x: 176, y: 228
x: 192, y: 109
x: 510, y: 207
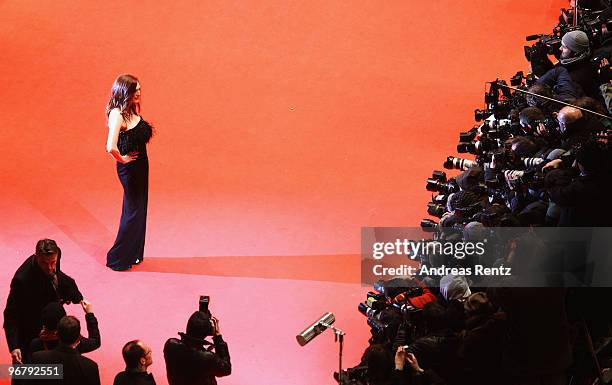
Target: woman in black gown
x: 128, y: 135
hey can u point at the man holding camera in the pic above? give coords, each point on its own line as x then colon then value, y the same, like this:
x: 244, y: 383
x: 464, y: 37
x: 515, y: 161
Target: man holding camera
x: 37, y: 282
x: 188, y: 362
x: 575, y: 57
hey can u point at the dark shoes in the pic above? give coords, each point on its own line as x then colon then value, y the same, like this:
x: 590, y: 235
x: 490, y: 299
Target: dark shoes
x: 124, y: 268
x: 121, y: 268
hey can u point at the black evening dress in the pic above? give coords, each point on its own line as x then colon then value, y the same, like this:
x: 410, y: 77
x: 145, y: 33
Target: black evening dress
x: 134, y: 176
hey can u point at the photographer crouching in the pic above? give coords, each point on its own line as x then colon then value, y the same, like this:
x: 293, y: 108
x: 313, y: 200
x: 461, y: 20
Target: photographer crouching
x: 191, y: 359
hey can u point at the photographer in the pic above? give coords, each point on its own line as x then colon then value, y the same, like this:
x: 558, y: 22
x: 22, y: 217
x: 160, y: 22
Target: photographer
x: 531, y: 119
x: 481, y: 350
x: 575, y: 57
x: 561, y: 82
x: 579, y: 189
x: 48, y: 337
x: 596, y: 106
x: 379, y: 362
x: 188, y: 362
x: 462, y: 206
x: 575, y: 128
x: 418, y: 375
x: 37, y: 282
x: 436, y: 350
x: 548, y: 107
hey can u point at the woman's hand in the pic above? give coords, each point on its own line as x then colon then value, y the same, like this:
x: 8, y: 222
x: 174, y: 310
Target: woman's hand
x: 132, y: 156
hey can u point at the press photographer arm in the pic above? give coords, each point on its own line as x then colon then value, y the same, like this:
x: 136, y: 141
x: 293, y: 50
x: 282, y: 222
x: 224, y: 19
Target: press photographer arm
x: 419, y: 375
x: 221, y: 363
x: 93, y: 340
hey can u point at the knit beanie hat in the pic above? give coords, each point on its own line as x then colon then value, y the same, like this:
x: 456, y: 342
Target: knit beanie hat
x: 577, y: 41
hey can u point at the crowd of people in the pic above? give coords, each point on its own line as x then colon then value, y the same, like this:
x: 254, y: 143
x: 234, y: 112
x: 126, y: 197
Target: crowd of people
x: 38, y: 331
x: 542, y: 159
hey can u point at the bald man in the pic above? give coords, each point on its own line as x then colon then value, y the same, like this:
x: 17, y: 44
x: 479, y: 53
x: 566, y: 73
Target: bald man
x: 569, y: 120
x: 138, y: 357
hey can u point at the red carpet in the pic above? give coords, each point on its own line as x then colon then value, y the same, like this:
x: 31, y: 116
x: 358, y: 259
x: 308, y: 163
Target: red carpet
x: 282, y: 129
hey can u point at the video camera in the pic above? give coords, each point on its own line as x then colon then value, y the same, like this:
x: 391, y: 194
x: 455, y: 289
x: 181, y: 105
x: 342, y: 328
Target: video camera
x: 389, y: 306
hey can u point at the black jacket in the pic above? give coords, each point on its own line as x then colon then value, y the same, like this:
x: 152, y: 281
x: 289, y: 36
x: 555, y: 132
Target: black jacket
x: 481, y: 349
x: 538, y: 334
x: 437, y: 351
x: 133, y: 377
x: 583, y: 73
x: 78, y: 370
x: 31, y: 290
x: 560, y: 81
x: 583, y: 199
x: 87, y: 344
x: 188, y: 366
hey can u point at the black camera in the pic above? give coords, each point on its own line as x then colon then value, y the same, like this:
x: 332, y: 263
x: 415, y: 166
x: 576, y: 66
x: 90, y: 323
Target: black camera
x: 550, y: 124
x: 468, y: 136
x: 546, y: 45
x: 429, y: 226
x: 533, y: 179
x: 480, y: 115
x: 439, y: 183
x: 517, y: 79
x: 437, y: 206
x: 478, y: 147
x: 204, y: 302
x: 353, y: 376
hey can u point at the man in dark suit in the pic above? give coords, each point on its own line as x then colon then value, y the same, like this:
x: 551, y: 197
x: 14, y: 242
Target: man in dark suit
x: 138, y: 357
x: 37, y: 282
x: 77, y: 370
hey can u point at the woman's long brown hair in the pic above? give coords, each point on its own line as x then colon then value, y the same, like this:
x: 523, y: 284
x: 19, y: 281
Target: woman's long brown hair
x: 122, y: 95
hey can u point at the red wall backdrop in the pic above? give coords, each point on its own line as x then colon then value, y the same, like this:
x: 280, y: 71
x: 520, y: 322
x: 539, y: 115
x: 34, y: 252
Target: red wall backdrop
x: 282, y: 127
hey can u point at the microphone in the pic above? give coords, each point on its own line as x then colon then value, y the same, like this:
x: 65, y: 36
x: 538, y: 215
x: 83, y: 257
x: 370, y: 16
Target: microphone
x: 315, y: 329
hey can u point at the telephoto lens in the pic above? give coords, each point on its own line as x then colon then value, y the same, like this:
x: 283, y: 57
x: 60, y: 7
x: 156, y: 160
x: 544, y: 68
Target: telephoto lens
x: 453, y: 163
x: 532, y: 162
x: 366, y: 310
